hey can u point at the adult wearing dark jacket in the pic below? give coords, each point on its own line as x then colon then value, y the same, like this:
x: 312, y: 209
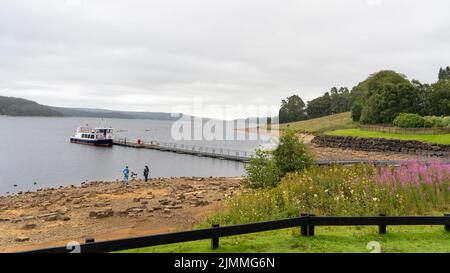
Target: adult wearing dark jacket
x: 146, y: 172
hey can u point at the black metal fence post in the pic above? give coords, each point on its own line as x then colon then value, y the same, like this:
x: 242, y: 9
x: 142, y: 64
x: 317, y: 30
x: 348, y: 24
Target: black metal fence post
x: 382, y: 228
x: 447, y: 227
x: 215, y: 240
x: 311, y: 226
x: 304, y: 227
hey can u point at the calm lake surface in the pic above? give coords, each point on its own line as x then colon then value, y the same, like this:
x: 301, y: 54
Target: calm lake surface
x: 36, y: 149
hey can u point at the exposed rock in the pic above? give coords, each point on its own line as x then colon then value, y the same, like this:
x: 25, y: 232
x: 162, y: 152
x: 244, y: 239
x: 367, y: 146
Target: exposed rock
x: 16, y: 220
x: 63, y: 218
x: 175, y: 207
x: 29, y: 226
x: 165, y: 201
x: 62, y: 210
x: 102, y: 204
x: 101, y: 214
x: 181, y: 197
x: 199, y: 203
x: 135, y: 210
x: 121, y: 212
x: 51, y: 218
x: 22, y: 239
x: 157, y: 208
x: 47, y: 215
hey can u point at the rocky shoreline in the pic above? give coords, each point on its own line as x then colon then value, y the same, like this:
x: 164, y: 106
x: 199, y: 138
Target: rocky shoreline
x: 107, y: 210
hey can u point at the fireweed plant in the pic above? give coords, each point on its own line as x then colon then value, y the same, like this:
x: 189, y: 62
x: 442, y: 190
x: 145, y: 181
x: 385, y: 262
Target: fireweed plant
x: 412, y: 188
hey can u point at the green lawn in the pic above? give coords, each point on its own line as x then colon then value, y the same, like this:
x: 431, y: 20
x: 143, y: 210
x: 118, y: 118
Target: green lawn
x: 441, y: 139
x: 327, y: 239
x: 323, y: 124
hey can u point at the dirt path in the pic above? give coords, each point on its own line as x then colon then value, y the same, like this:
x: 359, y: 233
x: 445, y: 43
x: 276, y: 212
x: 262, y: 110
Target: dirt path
x: 108, y: 210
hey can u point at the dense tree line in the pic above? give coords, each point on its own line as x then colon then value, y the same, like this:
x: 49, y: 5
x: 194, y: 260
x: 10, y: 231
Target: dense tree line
x: 384, y: 95
x: 376, y: 100
x: 333, y: 102
x: 444, y: 74
x: 292, y: 109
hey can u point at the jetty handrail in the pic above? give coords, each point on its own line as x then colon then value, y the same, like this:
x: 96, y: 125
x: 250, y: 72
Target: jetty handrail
x: 306, y: 222
x: 393, y: 129
x: 189, y: 147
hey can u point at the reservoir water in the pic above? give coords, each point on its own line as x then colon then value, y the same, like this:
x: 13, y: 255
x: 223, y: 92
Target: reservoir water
x: 37, y: 150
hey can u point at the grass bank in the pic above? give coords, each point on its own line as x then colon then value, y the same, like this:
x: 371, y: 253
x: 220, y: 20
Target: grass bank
x: 327, y: 239
x: 440, y: 139
x: 411, y: 189
x: 323, y: 124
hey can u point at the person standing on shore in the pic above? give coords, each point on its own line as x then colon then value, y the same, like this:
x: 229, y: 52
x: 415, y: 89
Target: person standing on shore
x: 125, y: 171
x: 146, y: 172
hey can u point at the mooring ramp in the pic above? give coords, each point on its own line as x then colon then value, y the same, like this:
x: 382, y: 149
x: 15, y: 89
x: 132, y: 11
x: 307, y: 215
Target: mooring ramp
x: 203, y: 151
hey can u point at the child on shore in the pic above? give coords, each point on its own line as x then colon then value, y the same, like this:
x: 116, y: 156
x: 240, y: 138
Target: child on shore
x: 125, y: 171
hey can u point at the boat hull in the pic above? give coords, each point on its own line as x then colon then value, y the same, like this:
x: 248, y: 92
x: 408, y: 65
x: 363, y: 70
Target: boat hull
x: 93, y: 142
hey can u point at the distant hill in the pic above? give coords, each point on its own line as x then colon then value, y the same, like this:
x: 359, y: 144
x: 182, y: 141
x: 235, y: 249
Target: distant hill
x: 21, y: 107
x: 11, y: 106
x: 102, y: 113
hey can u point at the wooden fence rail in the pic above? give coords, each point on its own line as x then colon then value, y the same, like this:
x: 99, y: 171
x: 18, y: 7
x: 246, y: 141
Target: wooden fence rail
x: 405, y: 131
x: 306, y: 222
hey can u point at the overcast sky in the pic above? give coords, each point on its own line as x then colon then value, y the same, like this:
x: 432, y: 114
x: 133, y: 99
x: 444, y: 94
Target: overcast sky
x: 148, y: 55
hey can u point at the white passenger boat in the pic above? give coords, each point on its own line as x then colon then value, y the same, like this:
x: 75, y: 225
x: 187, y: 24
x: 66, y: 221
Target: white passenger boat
x: 100, y: 136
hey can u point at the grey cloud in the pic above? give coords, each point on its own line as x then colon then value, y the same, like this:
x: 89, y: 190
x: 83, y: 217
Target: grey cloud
x: 148, y: 55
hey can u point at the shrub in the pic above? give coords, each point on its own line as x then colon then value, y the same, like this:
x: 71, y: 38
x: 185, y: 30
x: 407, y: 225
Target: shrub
x: 261, y: 172
x: 292, y: 155
x: 408, y: 120
x: 439, y: 122
x: 265, y: 169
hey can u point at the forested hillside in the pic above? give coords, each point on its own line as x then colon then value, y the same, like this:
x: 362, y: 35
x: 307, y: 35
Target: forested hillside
x: 21, y: 107
x: 11, y: 106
